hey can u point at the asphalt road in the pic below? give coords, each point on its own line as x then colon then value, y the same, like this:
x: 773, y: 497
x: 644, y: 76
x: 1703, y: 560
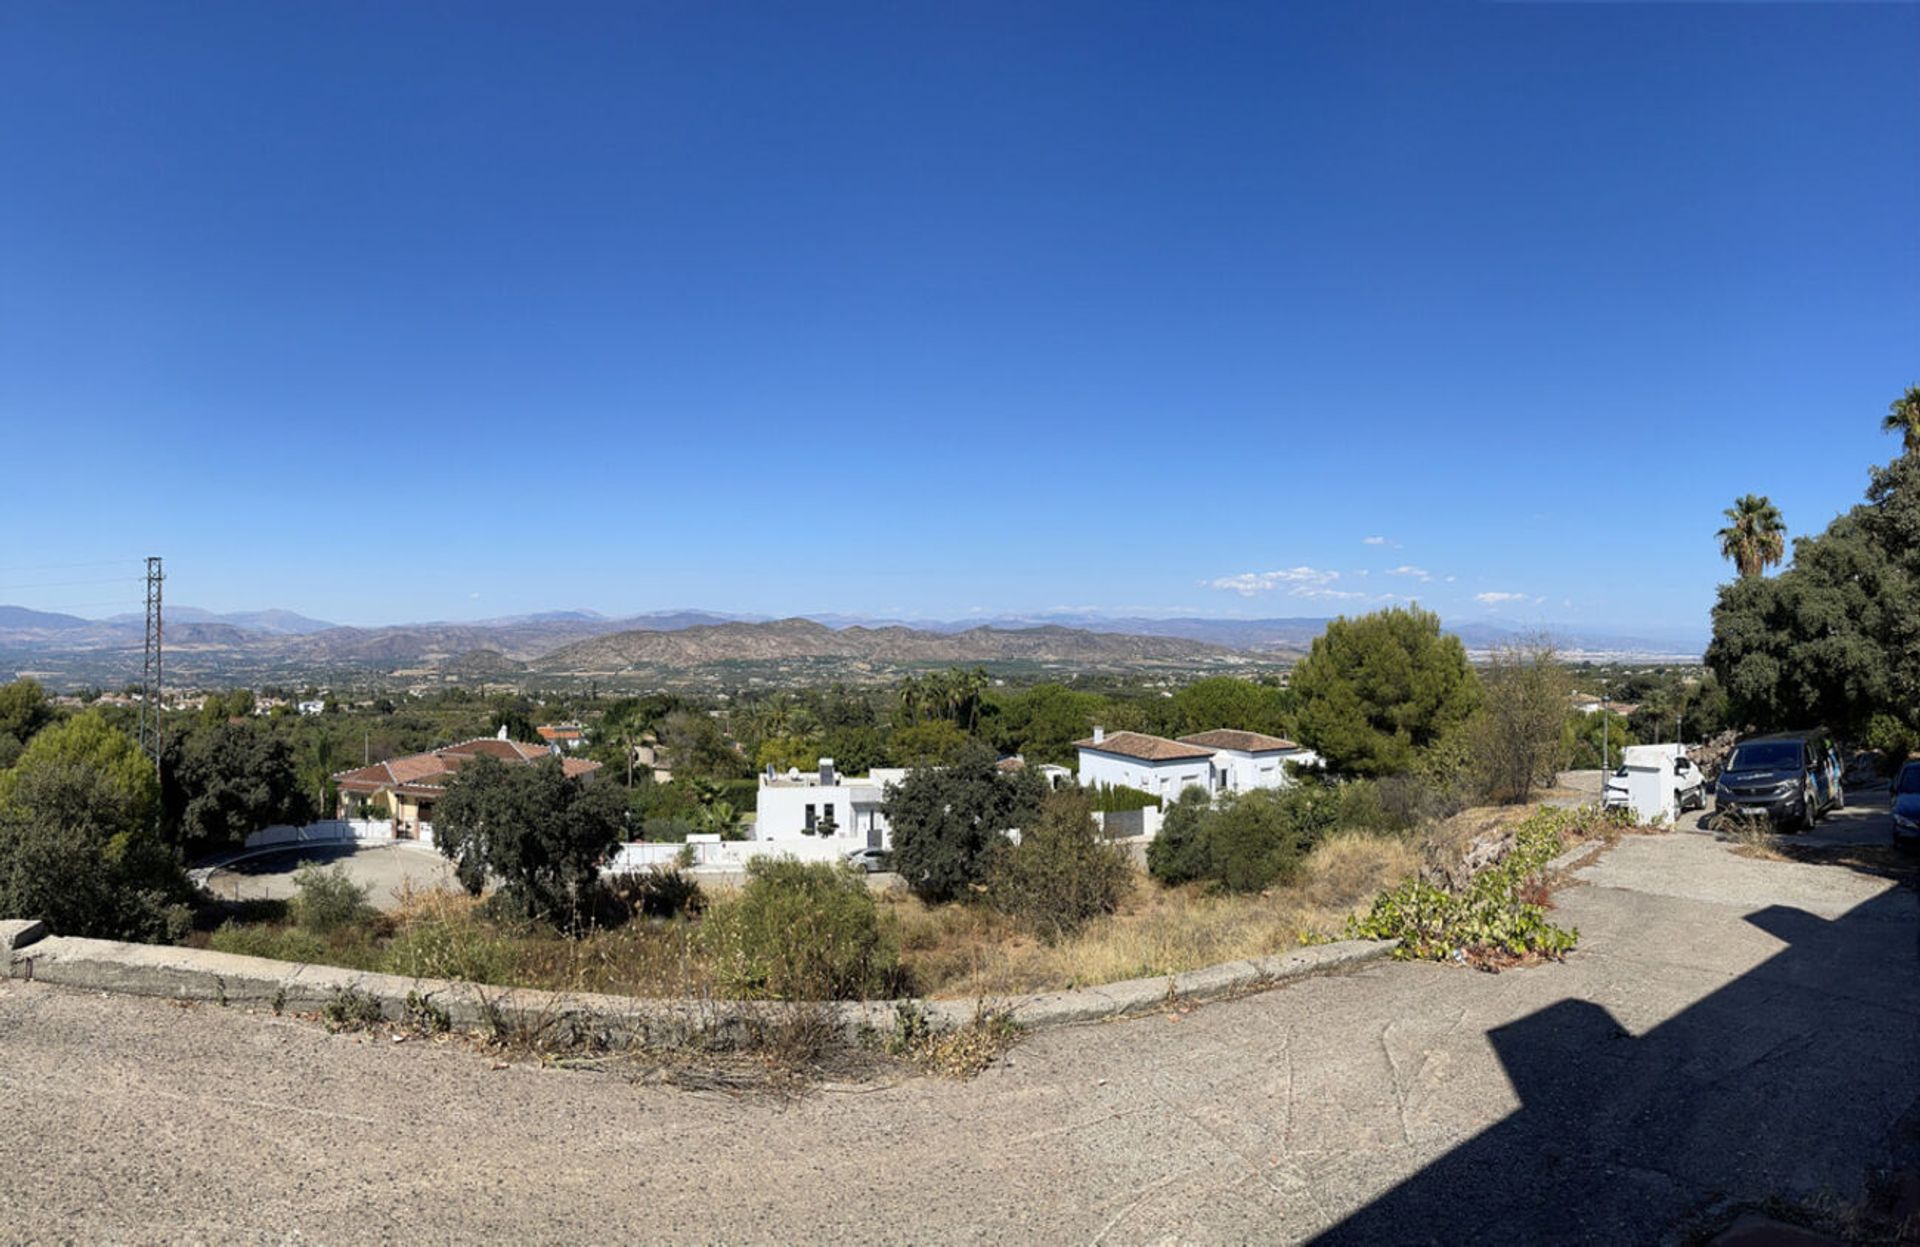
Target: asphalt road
x: 1729, y: 1029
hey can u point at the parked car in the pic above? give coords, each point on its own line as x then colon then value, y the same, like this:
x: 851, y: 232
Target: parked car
x: 1906, y: 803
x: 1689, y: 785
x: 1786, y: 777
x: 1864, y: 768
x: 870, y: 860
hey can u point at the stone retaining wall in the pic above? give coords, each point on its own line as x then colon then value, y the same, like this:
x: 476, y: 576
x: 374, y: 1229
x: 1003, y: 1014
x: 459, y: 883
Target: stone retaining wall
x: 26, y: 952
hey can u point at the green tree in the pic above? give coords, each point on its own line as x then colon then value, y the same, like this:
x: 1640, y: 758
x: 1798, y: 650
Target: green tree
x: 1063, y: 873
x: 696, y: 745
x: 934, y: 742
x: 1042, y: 723
x: 539, y: 832
x: 1518, y: 733
x: 24, y: 710
x: 78, y: 843
x: 1903, y: 417
x: 947, y: 820
x: 1755, y: 536
x: 1227, y: 701
x: 1377, y: 692
x: 224, y: 783
x: 1835, y: 638
x: 1584, y: 734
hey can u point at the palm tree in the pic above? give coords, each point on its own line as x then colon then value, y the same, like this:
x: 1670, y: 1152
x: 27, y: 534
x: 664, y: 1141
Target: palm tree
x: 1757, y: 537
x: 1903, y: 417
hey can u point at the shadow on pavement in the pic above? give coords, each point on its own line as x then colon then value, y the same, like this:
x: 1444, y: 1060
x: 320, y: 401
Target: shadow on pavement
x: 1792, y: 1080
x: 280, y: 863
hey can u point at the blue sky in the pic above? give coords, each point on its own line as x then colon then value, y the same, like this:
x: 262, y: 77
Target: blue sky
x: 386, y: 312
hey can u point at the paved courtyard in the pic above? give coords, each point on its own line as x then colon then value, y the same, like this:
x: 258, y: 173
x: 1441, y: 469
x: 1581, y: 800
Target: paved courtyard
x: 1729, y: 1029
x: 385, y: 870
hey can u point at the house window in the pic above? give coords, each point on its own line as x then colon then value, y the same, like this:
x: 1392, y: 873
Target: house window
x: 809, y: 818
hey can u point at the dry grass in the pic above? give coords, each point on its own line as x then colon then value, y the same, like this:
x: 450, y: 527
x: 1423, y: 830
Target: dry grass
x: 967, y: 951
x: 964, y: 951
x: 1752, y: 835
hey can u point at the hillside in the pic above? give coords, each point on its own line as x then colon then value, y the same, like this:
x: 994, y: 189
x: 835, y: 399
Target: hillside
x: 798, y: 639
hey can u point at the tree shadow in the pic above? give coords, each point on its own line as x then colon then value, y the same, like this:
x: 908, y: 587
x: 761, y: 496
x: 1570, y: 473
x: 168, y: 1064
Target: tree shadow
x: 1791, y: 1081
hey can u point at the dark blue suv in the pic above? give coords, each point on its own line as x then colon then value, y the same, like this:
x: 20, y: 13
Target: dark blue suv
x: 1788, y: 777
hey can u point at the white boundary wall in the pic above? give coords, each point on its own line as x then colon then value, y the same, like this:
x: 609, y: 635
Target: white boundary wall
x: 328, y: 831
x: 726, y: 854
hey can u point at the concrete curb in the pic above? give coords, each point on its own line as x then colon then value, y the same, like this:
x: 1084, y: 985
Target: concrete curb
x: 231, y: 979
x: 1579, y: 855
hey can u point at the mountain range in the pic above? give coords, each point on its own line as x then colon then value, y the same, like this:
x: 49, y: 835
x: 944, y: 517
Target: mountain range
x: 257, y: 645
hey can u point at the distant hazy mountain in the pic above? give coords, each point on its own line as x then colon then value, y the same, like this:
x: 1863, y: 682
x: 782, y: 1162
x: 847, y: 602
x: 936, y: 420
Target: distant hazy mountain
x: 281, y: 644
x: 790, y: 639
x: 19, y: 617
x: 272, y: 622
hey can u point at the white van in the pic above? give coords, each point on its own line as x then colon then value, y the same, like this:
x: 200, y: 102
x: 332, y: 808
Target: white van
x: 1685, y: 780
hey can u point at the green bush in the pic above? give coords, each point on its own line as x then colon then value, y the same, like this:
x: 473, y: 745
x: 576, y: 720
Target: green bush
x: 278, y: 943
x: 1891, y: 737
x: 325, y: 900
x: 801, y: 931
x: 1179, y: 854
x: 1243, y: 842
x: 1062, y: 874
x: 666, y: 830
x: 1118, y: 799
x: 1496, y: 914
x: 461, y: 946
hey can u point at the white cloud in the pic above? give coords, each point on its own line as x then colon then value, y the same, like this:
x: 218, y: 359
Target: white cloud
x: 1297, y: 581
x: 1495, y: 599
x: 1373, y: 541
x: 1407, y: 569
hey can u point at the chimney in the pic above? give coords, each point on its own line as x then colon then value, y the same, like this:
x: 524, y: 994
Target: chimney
x: 1099, y: 733
x: 503, y: 732
x: 826, y: 773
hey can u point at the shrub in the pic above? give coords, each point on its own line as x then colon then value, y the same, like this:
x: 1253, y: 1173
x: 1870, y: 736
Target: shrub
x: 445, y: 937
x: 278, y: 943
x: 1891, y: 737
x: 1062, y: 874
x: 350, y: 1009
x: 1495, y: 916
x: 1118, y: 799
x: 1243, y: 842
x: 326, y: 900
x: 1179, y: 853
x: 666, y: 830
x: 801, y: 931
x: 660, y: 892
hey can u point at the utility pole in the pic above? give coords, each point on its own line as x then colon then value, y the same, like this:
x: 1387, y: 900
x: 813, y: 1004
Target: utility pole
x: 152, y: 673
x: 1606, y: 746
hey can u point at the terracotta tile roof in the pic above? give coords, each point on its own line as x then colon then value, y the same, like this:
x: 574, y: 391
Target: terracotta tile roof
x: 1239, y: 741
x: 1142, y: 747
x: 561, y: 731
x: 430, y: 770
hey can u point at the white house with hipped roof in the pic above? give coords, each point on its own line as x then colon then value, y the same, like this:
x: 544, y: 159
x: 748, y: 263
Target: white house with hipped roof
x: 1222, y: 760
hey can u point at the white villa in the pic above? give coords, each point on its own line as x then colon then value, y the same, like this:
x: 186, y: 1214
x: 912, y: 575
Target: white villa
x: 1223, y: 760
x: 793, y: 806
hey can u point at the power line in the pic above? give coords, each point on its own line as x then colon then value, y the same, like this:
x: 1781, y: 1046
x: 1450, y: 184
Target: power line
x: 68, y: 584
x: 62, y: 567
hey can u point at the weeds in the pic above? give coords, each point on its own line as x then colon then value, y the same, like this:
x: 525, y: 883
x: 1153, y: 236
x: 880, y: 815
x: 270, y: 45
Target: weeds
x: 1499, y: 918
x: 350, y: 1009
x: 1752, y: 835
x: 952, y: 1052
